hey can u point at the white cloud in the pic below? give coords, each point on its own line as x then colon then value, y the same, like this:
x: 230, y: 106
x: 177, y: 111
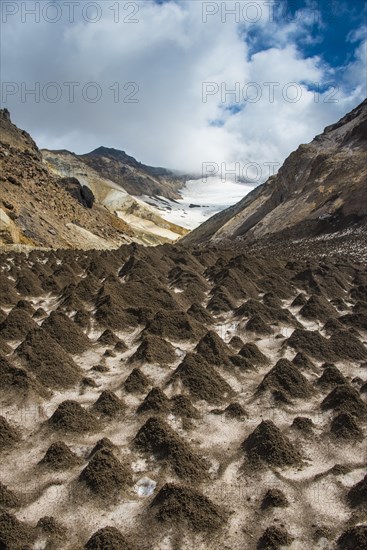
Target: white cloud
x: 170, y: 53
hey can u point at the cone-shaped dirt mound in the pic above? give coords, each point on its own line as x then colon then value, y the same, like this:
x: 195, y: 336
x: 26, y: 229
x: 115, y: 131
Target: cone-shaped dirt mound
x: 181, y: 504
x: 251, y: 352
x: 274, y: 498
x: 302, y: 361
x: 274, y: 538
x: 8, y: 435
x: 213, y: 349
x: 103, y: 444
x: 17, y: 325
x: 108, y: 404
x: 318, y: 308
x: 67, y: 333
x: 175, y: 325
x: 59, y: 457
x: 299, y: 300
x: 154, y: 349
x: 354, y: 538
x: 257, y: 325
x: 108, y: 538
x: 311, y: 343
x: 156, y: 437
x: 182, y: 406
x: 48, y: 360
x: 8, y: 499
x: 136, y: 382
x: 14, y: 534
x: 201, y: 379
x: 285, y: 377
x: 344, y: 426
x: 303, y: 424
x: 200, y: 314
x: 357, y: 495
x: 71, y: 417
x: 268, y: 444
x: 345, y: 399
x: 108, y: 338
x: 155, y: 402
x: 331, y: 377
x: 105, y: 476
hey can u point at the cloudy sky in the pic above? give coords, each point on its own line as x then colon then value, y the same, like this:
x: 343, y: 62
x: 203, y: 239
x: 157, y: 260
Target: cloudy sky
x: 181, y: 83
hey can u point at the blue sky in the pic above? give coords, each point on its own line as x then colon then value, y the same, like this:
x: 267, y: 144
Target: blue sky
x: 180, y: 83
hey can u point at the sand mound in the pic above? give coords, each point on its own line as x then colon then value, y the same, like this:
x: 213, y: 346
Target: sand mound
x: 317, y: 307
x: 59, y: 457
x: 345, y: 427
x: 15, y: 379
x: 213, y: 349
x: 220, y: 301
x: 200, y: 314
x: 182, y: 406
x: 201, y: 379
x: 236, y: 343
x: 346, y: 345
x: 25, y: 306
x: 108, y: 338
x: 299, y: 300
x: 71, y: 417
x: 181, y: 504
x: 357, y: 495
x: 354, y: 538
x: 136, y: 382
x: 311, y: 343
x: 8, y: 294
x: 8, y: 435
x: 108, y: 538
x: 156, y: 437
x: 108, y: 404
x: 8, y: 499
x: 175, y: 325
x: 155, y: 402
x: 273, y: 538
x: 302, y: 361
x: 48, y: 360
x: 110, y: 313
x: 67, y: 333
x: 274, y: 498
x: 257, y: 325
x: 355, y: 320
x: 285, y: 377
x: 331, y: 377
x: 272, y: 300
x: 303, y: 424
x: 235, y: 410
x: 154, y: 349
x: 105, y: 476
x: 14, y: 534
x: 251, y: 352
x: 345, y: 399
x: 103, y: 444
x: 332, y: 325
x: 267, y: 443
x: 28, y: 284
x: 17, y: 325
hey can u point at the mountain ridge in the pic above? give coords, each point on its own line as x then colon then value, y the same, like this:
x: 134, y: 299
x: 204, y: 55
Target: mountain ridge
x: 309, y: 188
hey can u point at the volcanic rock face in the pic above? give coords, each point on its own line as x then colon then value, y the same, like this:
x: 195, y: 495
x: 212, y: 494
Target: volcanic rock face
x: 291, y: 203
x: 42, y: 205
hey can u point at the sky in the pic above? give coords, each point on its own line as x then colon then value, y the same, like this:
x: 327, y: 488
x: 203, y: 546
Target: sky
x: 221, y: 87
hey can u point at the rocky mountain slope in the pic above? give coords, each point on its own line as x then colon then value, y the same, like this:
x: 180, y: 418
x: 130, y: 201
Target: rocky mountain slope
x: 46, y: 207
x: 136, y: 178
x: 321, y: 188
